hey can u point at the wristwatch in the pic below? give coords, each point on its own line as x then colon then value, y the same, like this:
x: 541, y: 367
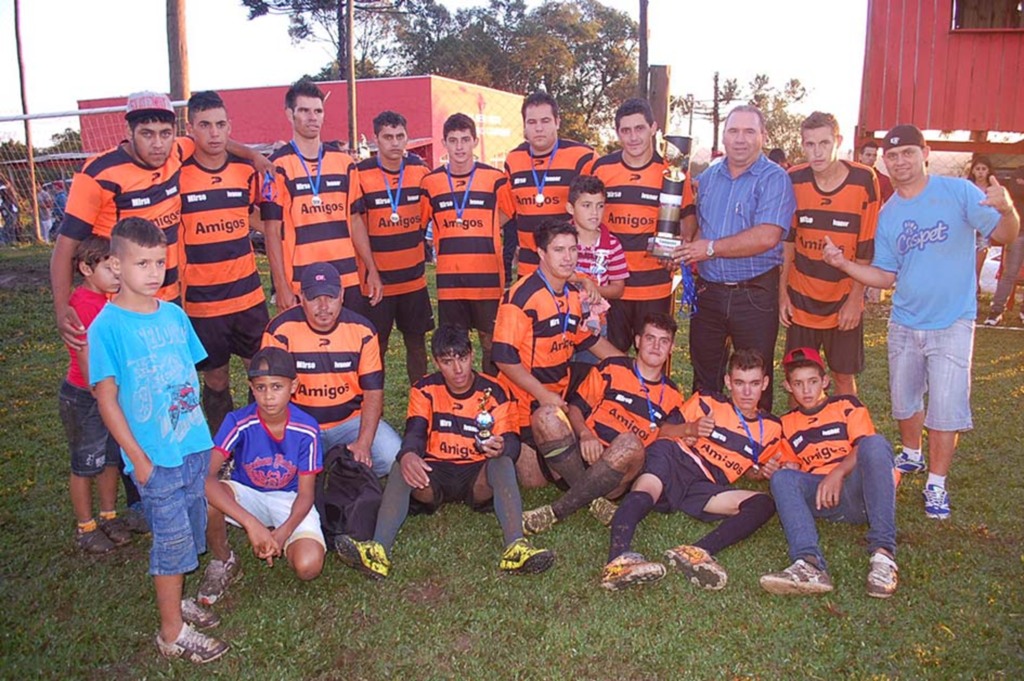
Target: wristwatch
x: 711, y: 249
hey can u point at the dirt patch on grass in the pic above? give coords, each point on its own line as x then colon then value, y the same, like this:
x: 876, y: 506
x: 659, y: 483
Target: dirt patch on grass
x: 22, y: 277
x: 425, y: 593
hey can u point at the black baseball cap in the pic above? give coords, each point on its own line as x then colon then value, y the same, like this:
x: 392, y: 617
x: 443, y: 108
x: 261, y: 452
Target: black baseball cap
x: 902, y: 136
x: 272, y: 362
x: 320, y: 279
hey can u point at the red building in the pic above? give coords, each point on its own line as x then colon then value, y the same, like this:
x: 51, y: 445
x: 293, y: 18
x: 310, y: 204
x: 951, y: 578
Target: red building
x: 946, y: 65
x: 258, y: 118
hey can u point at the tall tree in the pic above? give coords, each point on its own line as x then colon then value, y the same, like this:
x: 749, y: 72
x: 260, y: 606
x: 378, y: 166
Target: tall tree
x: 325, y: 21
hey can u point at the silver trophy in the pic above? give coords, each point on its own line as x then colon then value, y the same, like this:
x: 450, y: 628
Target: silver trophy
x: 669, y: 233
x: 484, y: 422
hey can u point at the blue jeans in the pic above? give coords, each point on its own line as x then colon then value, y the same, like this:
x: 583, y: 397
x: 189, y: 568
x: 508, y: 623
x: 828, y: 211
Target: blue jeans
x: 383, y: 449
x: 744, y: 315
x: 868, y: 495
x: 174, y: 502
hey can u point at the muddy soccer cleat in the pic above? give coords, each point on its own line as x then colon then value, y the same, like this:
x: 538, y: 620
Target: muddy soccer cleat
x: 537, y: 520
x: 630, y: 569
x: 699, y: 566
x: 603, y: 510
x: 368, y: 557
x: 521, y: 558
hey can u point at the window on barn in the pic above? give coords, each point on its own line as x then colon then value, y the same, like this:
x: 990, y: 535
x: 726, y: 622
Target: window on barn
x: 988, y: 14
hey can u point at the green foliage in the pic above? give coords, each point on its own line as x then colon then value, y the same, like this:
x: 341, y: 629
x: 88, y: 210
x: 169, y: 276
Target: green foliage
x: 447, y: 613
x: 582, y: 52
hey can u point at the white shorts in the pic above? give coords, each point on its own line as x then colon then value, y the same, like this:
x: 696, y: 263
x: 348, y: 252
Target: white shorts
x: 272, y: 508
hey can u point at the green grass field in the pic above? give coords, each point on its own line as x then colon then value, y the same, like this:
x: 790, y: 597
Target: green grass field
x: 448, y: 613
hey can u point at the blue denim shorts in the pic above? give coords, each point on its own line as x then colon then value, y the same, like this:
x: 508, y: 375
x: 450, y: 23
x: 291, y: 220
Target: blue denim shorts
x: 90, y: 444
x: 936, y: 362
x: 174, y: 502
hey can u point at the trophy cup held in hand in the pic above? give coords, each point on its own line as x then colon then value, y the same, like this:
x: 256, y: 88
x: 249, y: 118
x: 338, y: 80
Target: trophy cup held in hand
x: 669, y: 231
x: 484, y: 422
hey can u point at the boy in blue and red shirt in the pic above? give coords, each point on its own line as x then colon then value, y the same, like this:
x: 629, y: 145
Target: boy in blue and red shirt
x: 277, y: 454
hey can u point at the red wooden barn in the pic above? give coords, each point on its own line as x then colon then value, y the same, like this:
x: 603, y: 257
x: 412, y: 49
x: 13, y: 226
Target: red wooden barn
x: 946, y: 65
x: 258, y: 118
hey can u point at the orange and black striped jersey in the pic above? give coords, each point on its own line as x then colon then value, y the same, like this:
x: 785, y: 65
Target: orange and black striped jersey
x: 555, y: 171
x: 335, y: 367
x: 821, y: 439
x: 441, y: 426
x: 218, y: 267
x: 397, y: 246
x: 614, y: 399
x: 315, y: 225
x: 541, y: 330
x: 113, y: 186
x: 469, y: 265
x: 736, y: 441
x: 631, y: 213
x: 848, y: 215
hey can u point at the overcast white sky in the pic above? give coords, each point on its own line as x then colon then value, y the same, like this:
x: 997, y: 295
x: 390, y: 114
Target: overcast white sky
x: 79, y: 49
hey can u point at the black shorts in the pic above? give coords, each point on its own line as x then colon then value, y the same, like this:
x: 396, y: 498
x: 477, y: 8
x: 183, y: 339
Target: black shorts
x: 626, y: 319
x: 844, y: 350
x: 469, y: 314
x: 411, y: 312
x: 685, y: 487
x: 452, y: 483
x: 90, y: 444
x: 238, y: 333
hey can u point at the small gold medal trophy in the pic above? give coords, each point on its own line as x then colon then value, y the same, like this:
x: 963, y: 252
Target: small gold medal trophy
x: 484, y: 422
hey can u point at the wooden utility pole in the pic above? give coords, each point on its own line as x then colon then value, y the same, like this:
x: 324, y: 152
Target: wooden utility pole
x: 177, y: 50
x: 28, y: 130
x: 350, y: 69
x: 643, y: 70
x: 715, y: 114
x: 661, y: 76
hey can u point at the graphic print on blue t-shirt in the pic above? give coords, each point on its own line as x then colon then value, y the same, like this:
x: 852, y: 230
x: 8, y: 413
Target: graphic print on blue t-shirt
x: 262, y: 461
x: 913, y: 236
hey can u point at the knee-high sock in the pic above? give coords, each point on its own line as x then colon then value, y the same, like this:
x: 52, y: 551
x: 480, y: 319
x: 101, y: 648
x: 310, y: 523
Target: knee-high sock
x: 508, y: 505
x: 754, y: 512
x: 394, y: 508
x: 596, y: 481
x: 564, y: 458
x: 634, y: 507
x: 217, y: 404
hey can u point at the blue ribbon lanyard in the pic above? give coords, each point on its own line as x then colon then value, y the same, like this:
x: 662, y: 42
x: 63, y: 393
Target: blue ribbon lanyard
x: 539, y: 183
x: 647, y: 395
x: 396, y: 198
x: 314, y: 184
x: 687, y: 293
x: 755, y: 446
x: 460, y: 209
x: 558, y: 307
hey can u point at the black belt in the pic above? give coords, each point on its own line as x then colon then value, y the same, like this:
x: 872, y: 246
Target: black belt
x: 754, y: 282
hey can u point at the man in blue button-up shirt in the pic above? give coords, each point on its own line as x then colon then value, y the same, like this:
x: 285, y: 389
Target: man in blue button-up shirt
x: 745, y: 206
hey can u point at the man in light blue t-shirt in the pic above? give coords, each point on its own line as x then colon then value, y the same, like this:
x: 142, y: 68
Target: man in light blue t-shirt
x: 924, y: 247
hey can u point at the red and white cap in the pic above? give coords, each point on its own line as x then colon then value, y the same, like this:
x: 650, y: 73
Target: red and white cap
x: 139, y: 102
x: 803, y: 355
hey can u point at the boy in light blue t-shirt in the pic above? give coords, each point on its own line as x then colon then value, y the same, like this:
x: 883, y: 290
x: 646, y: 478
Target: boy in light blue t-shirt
x: 142, y: 360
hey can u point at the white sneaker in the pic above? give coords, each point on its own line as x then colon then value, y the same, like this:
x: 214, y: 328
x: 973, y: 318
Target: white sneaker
x: 193, y: 646
x: 883, y: 576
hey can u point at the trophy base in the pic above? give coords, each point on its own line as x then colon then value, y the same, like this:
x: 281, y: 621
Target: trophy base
x: 663, y: 245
